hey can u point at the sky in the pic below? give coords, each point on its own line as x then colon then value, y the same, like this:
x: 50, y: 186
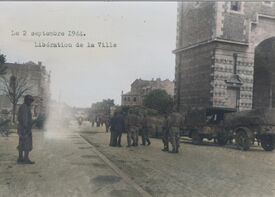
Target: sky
x: 144, y: 32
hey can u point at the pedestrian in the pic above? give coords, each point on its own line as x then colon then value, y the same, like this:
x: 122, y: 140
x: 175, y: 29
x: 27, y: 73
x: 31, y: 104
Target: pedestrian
x: 24, y: 131
x: 175, y: 122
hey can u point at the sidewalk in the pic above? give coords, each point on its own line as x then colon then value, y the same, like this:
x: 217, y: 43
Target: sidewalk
x: 65, y: 166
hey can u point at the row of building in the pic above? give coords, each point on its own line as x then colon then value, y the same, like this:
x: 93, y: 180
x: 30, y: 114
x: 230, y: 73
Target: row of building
x: 140, y: 88
x: 224, y: 58
x: 35, y: 78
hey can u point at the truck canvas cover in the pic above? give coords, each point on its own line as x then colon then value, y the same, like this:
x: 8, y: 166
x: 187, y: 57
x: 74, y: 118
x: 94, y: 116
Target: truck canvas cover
x: 250, y: 117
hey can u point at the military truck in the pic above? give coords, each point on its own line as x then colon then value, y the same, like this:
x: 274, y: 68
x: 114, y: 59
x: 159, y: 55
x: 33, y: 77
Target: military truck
x: 223, y: 125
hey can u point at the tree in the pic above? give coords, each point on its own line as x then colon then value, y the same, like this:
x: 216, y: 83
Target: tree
x: 14, y: 88
x: 3, y: 68
x: 102, y: 108
x: 159, y: 100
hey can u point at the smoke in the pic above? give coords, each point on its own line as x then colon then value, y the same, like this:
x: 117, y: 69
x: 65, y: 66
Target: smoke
x: 59, y: 121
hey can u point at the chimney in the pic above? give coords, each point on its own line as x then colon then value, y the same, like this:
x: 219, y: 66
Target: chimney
x: 39, y: 63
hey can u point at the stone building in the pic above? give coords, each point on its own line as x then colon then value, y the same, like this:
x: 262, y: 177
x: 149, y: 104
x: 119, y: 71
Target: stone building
x: 225, y: 55
x: 37, y: 79
x: 140, y: 88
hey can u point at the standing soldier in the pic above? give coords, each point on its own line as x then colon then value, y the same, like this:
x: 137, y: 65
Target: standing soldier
x: 174, y: 124
x: 165, y: 133
x: 132, y: 125
x: 24, y: 130
x: 117, y: 127
x: 145, y: 130
x: 107, y: 123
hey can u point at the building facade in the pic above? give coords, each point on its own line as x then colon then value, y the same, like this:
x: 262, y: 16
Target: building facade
x: 224, y: 55
x: 140, y: 88
x: 36, y: 79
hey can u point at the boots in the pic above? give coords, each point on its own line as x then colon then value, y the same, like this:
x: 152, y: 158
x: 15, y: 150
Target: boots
x: 27, y: 159
x: 165, y: 149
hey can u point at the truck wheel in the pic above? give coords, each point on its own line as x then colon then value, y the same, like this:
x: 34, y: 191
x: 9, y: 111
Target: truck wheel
x: 242, y: 140
x: 267, y: 143
x: 196, y: 138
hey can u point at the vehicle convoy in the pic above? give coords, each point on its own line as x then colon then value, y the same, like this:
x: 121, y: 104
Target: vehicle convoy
x: 224, y: 125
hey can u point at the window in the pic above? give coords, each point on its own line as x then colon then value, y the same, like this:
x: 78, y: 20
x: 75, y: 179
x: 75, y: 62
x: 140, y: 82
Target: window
x: 129, y: 99
x: 135, y: 99
x: 235, y: 6
x: 235, y: 58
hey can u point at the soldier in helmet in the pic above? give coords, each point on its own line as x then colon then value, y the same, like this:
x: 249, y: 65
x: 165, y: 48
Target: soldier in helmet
x: 175, y: 122
x: 24, y: 130
x: 165, y: 133
x: 117, y: 127
x: 145, y: 130
x: 132, y: 123
x: 107, y: 123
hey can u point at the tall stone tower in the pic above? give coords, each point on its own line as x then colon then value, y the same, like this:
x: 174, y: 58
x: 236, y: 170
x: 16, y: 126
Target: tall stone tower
x: 225, y: 55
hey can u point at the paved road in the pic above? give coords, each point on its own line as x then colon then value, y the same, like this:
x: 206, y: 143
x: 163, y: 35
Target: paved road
x: 65, y: 165
x: 206, y: 170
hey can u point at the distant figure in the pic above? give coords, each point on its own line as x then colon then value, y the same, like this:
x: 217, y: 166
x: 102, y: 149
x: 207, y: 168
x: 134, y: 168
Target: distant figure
x: 133, y: 124
x: 145, y: 131
x: 80, y: 121
x: 107, y: 124
x: 24, y: 130
x: 175, y: 122
x: 165, y: 134
x: 117, y: 127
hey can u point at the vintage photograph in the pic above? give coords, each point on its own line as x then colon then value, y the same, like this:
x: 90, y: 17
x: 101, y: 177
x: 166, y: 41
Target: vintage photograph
x: 137, y: 98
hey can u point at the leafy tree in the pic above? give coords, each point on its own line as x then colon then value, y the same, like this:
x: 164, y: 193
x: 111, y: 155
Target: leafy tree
x: 159, y: 100
x: 102, y: 108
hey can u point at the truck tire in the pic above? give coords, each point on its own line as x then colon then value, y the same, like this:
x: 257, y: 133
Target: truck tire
x: 243, y: 141
x: 267, y: 143
x: 196, y: 138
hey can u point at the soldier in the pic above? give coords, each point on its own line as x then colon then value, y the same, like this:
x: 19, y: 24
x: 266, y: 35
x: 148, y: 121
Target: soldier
x: 24, y: 130
x: 132, y: 123
x: 145, y: 130
x: 117, y: 127
x: 165, y: 133
x: 174, y: 124
x: 107, y: 123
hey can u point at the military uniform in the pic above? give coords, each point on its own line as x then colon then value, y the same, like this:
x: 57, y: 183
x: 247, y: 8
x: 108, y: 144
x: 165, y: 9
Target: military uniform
x: 107, y: 123
x: 117, y: 127
x: 165, y: 134
x: 174, y: 124
x: 133, y: 126
x: 24, y: 129
x: 145, y: 131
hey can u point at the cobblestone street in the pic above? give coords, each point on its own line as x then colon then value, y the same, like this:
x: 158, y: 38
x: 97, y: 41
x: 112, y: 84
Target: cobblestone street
x: 65, y: 165
x: 205, y: 170
x: 69, y: 164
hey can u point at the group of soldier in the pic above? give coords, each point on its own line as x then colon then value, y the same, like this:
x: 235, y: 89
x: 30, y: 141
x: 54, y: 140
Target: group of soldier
x: 135, y: 123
